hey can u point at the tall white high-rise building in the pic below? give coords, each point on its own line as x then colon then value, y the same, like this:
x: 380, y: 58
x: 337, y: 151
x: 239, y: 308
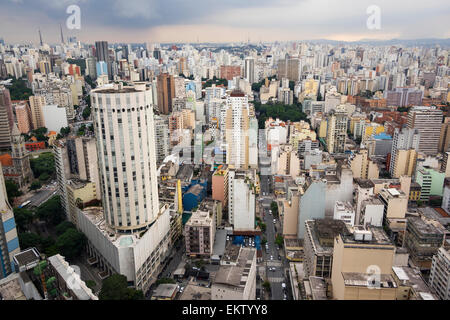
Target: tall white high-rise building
x: 124, y: 127
x: 249, y: 70
x: 237, y: 126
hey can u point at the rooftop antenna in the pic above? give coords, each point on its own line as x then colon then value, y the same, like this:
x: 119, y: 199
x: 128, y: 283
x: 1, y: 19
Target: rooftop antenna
x: 62, y: 36
x: 40, y: 37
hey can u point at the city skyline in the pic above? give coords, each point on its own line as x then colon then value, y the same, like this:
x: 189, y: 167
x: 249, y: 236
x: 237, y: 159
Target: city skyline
x: 137, y: 21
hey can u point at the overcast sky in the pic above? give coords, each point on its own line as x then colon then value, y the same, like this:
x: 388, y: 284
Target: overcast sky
x: 223, y: 20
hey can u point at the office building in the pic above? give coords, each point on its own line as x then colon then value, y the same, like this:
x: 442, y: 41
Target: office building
x: 241, y: 200
x: 249, y: 70
x: 336, y: 132
x: 318, y: 246
x: 5, y: 118
x: 23, y: 116
x: 440, y: 273
x: 37, y: 103
x: 405, y: 146
x: 428, y: 121
x: 237, y: 279
x: 237, y: 129
x: 423, y: 239
x: 363, y: 167
x: 357, y: 256
x: 199, y: 233
x: 166, y: 93
x: 431, y: 182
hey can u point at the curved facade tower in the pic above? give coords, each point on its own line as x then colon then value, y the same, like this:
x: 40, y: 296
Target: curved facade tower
x: 123, y: 123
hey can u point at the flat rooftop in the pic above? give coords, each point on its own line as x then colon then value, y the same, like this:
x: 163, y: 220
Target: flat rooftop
x: 166, y: 290
x: 359, y: 279
x: 236, y: 275
x: 318, y: 288
x: 10, y: 288
x: 431, y: 227
x: 379, y: 236
x: 196, y: 292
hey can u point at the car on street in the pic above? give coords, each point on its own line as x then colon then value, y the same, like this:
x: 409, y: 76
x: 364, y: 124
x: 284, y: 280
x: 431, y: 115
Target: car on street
x: 279, y: 257
x: 271, y: 257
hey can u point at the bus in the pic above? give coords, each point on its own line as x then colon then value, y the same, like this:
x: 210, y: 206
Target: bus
x: 23, y: 205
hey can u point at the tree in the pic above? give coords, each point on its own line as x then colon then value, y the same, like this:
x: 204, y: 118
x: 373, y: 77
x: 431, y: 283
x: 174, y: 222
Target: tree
x: 71, y: 243
x: 23, y: 217
x: 63, y: 227
x: 86, y: 112
x: 274, y: 208
x: 266, y: 285
x: 35, y: 185
x: 29, y: 240
x: 264, y: 241
x: 51, y: 211
x: 12, y: 190
x: 279, y: 240
x: 116, y: 288
x: 45, y: 163
x: 91, y: 284
x: 263, y: 227
x: 65, y: 131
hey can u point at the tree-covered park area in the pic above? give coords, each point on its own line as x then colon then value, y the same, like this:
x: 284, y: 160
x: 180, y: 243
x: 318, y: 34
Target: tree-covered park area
x: 281, y: 111
x: 19, y: 90
x: 45, y: 228
x: 43, y: 167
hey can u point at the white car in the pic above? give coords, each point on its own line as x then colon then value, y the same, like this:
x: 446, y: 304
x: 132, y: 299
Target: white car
x: 181, y: 289
x: 271, y: 257
x: 274, y: 221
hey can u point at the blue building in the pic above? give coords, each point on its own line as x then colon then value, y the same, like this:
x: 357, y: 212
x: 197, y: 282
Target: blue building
x: 194, y: 194
x: 102, y: 68
x: 9, y: 241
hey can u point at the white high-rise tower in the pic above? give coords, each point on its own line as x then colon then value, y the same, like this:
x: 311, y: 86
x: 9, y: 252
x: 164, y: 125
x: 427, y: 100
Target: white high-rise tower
x: 123, y: 122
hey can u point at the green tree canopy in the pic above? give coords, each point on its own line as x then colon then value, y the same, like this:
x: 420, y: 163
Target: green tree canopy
x: 23, y: 217
x: 12, y: 190
x: 29, y: 240
x: 51, y: 211
x: 45, y: 163
x: 116, y: 288
x: 63, y: 227
x: 71, y: 243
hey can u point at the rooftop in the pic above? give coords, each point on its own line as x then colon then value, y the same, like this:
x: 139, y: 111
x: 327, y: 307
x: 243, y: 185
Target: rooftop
x: 166, y: 290
x: 236, y: 275
x: 359, y: 279
x: 10, y: 288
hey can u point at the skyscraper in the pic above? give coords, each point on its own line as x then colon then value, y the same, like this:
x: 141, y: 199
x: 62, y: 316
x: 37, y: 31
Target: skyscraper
x: 249, y: 70
x: 237, y: 125
x: 6, y: 116
x: 428, y: 120
x: 124, y: 127
x: 102, y: 54
x: 166, y: 92
x: 9, y: 242
x: 404, y: 152
x: 337, y: 131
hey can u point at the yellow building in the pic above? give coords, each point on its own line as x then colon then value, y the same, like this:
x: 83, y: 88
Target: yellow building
x: 362, y: 265
x: 311, y: 87
x: 323, y: 129
x: 404, y: 163
x: 78, y: 194
x: 363, y: 167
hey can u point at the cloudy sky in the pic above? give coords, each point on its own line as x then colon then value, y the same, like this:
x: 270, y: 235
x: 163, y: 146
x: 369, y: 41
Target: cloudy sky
x: 223, y: 20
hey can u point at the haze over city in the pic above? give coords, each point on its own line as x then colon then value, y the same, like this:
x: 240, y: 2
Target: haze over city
x: 137, y: 21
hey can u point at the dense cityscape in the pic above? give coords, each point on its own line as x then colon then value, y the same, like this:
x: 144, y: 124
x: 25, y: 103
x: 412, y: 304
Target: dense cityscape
x: 252, y: 170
